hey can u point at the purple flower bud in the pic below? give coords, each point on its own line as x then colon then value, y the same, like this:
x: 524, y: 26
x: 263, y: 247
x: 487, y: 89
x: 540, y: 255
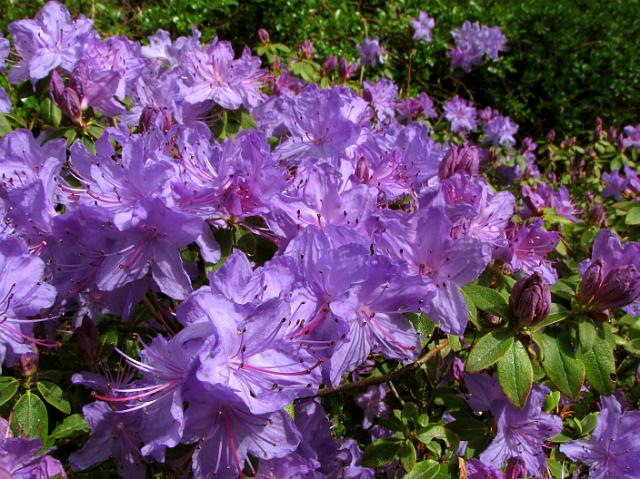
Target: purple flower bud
x: 516, y: 469
x: 458, y: 369
x: 306, y: 50
x: 154, y: 117
x: 56, y: 89
x: 588, y: 196
x: 346, y: 71
x: 551, y: 136
x: 620, y: 288
x: 263, y: 35
x: 362, y: 169
x: 461, y: 158
x: 330, y: 64
x: 598, y: 216
x: 613, y: 133
x: 87, y: 341
x: 71, y: 105
x: 530, y: 299
x: 28, y: 362
x: 597, y: 133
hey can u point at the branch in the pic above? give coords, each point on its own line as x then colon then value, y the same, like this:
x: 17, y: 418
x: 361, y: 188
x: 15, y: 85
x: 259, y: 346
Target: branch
x: 385, y: 377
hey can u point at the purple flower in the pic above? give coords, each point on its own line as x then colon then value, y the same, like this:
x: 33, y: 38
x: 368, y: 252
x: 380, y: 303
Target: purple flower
x: 152, y: 245
x: 422, y: 26
x: 336, y: 460
x: 113, y: 435
x: 226, y: 432
x: 23, y: 295
x: 439, y: 259
x: 214, y: 74
x: 528, y: 247
x: 520, y: 432
x: 611, y: 279
x: 478, y: 470
x: 322, y: 123
x: 461, y: 114
x: 50, y: 40
x: 372, y: 401
x: 632, y: 136
x: 500, y: 130
x: 19, y: 459
x: 414, y: 108
x: 371, y: 52
x: 382, y: 96
x: 613, y: 451
x: 473, y: 42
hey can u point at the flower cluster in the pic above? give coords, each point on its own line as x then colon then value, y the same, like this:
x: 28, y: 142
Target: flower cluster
x: 473, y: 42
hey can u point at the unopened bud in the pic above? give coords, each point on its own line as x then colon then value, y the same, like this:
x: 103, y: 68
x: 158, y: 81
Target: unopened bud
x: 551, y: 136
x: 460, y: 158
x: 263, y: 35
x: 28, y: 362
x: 330, y: 64
x: 516, y: 469
x: 530, y: 299
x: 306, y: 50
x: 598, y: 216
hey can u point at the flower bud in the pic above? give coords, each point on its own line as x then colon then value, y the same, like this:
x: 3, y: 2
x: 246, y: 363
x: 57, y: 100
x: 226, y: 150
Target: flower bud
x: 346, y: 71
x: 551, y: 136
x: 530, y: 299
x: 306, y: 50
x: 460, y: 158
x: 28, y: 362
x: 56, y: 89
x: 158, y: 117
x: 79, y: 79
x: 598, y: 216
x: 263, y: 35
x: 620, y: 288
x: 330, y: 64
x: 516, y: 469
x: 362, y: 169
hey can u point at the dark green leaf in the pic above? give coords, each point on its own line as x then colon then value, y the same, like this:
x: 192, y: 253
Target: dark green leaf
x: 515, y: 374
x: 596, y: 354
x: 488, y: 350
x: 50, y: 113
x: 558, y: 361
x: 30, y: 417
x: 8, y: 388
x: 52, y: 393
x: 487, y: 299
x: 381, y: 451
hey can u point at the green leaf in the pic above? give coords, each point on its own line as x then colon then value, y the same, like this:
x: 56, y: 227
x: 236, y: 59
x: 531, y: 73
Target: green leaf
x: 515, y: 374
x: 52, y: 393
x: 71, y: 426
x: 596, y: 354
x: 30, y: 417
x: 551, y: 319
x: 488, y: 350
x: 473, y: 311
x: 408, y: 456
x: 487, y: 299
x: 8, y: 388
x: 551, y: 401
x: 589, y: 422
x: 50, y: 113
x: 381, y: 451
x: 428, y: 469
x: 633, y: 216
x: 565, y: 371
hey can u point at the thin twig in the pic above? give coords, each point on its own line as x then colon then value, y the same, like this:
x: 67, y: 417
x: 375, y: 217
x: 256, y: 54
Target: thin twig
x: 385, y: 377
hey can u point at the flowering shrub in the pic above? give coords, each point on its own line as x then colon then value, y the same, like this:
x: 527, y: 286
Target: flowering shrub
x: 215, y: 266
